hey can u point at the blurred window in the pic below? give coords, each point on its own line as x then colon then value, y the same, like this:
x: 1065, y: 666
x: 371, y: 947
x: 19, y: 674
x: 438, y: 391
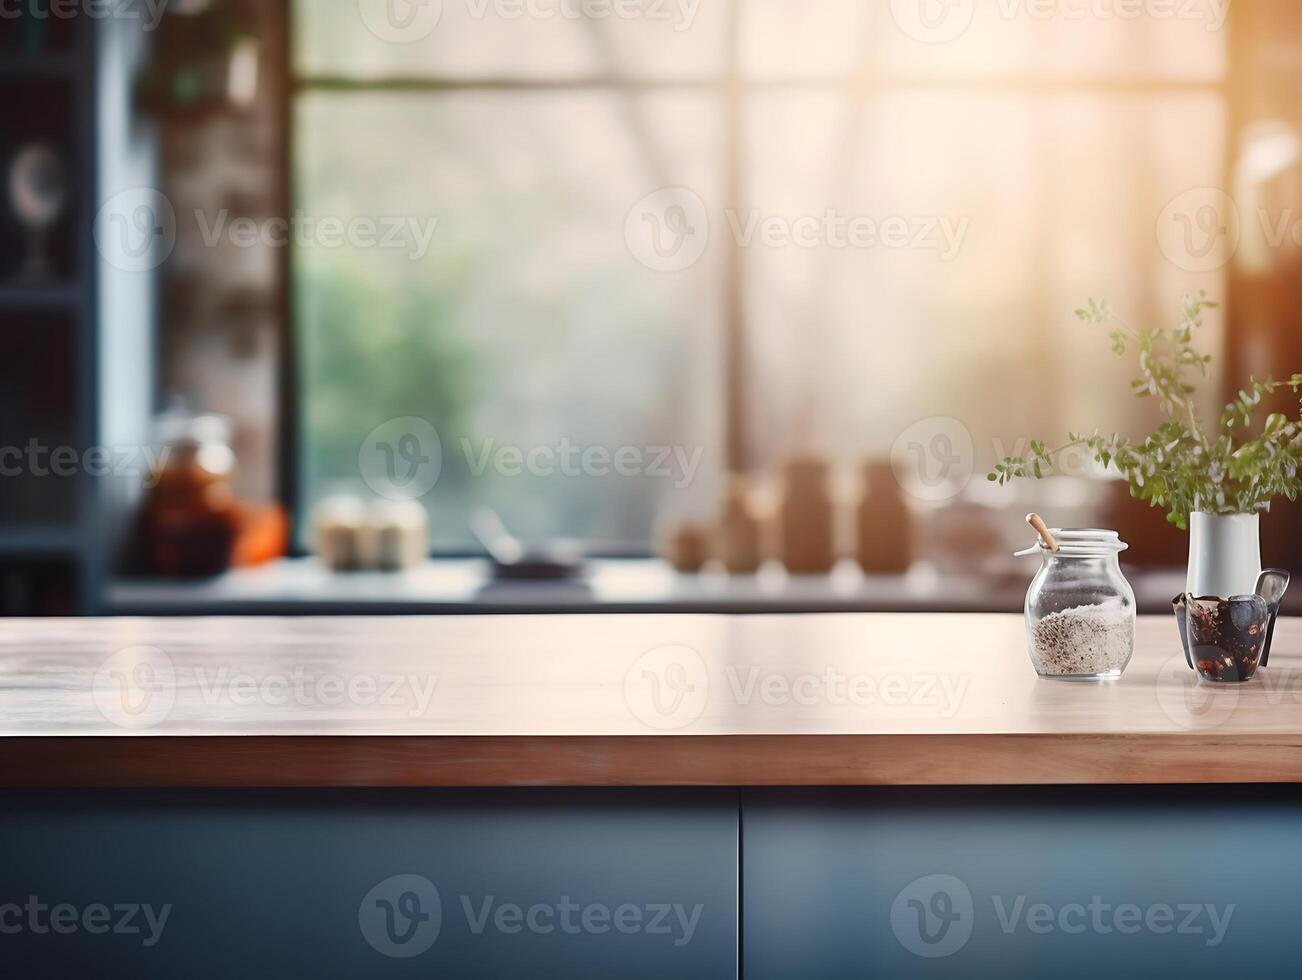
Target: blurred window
x: 876, y: 216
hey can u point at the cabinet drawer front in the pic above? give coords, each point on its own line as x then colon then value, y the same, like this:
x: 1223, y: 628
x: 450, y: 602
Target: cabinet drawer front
x: 369, y: 884
x: 1061, y: 882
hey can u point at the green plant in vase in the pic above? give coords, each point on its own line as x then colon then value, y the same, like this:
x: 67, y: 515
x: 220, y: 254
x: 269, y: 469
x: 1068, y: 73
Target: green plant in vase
x: 1216, y: 481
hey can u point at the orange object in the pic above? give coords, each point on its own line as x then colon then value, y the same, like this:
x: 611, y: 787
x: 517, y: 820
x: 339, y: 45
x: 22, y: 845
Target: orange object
x: 263, y: 534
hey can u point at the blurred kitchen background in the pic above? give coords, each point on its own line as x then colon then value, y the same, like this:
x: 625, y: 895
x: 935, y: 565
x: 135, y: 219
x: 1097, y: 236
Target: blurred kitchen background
x: 313, y: 306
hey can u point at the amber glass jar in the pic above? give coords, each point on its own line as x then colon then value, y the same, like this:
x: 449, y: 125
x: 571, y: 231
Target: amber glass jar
x: 191, y: 517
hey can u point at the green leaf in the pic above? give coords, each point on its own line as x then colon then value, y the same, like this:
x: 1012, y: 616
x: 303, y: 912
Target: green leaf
x: 1179, y: 466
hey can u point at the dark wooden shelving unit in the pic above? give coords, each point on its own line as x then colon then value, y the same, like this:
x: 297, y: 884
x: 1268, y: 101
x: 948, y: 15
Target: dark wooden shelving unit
x: 67, y: 85
x: 24, y: 67
x: 47, y: 328
x: 17, y: 298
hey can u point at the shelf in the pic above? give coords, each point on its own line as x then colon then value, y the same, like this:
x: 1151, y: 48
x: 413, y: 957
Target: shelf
x: 36, y: 66
x: 301, y: 586
x: 38, y: 541
x: 20, y: 298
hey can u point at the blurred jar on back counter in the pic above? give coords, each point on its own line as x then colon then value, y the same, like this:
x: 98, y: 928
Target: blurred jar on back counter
x: 806, y: 516
x: 885, y: 524
x: 191, y: 517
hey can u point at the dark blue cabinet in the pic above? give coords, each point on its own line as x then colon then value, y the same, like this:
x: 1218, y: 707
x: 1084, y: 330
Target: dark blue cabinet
x: 1057, y: 882
x: 369, y: 884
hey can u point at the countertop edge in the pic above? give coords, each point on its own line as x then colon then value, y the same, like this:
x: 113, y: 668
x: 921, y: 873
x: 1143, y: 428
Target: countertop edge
x: 298, y: 761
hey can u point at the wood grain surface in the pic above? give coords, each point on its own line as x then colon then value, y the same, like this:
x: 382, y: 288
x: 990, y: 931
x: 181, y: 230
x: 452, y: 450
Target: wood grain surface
x: 619, y: 700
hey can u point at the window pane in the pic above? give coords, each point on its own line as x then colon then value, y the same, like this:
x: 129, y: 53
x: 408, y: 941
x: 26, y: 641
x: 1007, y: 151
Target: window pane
x: 511, y: 38
x: 1068, y: 39
x: 528, y: 325
x: 1014, y: 210
x: 812, y: 39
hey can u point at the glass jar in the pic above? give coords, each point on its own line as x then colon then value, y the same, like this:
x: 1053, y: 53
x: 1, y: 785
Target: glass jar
x: 1080, y: 610
x: 191, y: 516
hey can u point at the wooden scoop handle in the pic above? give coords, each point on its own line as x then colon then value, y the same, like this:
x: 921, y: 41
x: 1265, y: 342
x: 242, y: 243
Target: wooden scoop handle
x: 1037, y: 522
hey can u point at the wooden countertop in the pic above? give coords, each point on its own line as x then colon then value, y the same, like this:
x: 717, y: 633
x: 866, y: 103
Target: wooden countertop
x: 847, y: 699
